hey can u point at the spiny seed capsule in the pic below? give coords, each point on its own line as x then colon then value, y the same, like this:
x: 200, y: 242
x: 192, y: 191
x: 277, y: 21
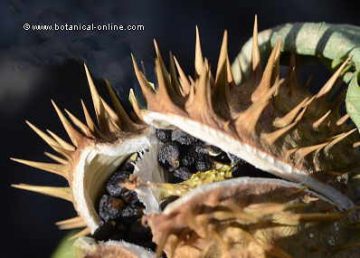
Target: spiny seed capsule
x: 163, y: 135
x: 183, y: 138
x: 110, y: 207
x: 182, y: 173
x: 169, y: 155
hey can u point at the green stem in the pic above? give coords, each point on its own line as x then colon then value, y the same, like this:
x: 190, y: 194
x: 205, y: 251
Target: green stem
x: 322, y: 40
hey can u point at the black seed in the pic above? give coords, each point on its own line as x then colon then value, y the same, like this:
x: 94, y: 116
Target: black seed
x: 163, y: 135
x: 173, y: 179
x: 245, y: 169
x: 182, y: 172
x: 208, y: 150
x: 138, y: 231
x: 200, y: 149
x: 234, y: 159
x: 110, y: 207
x: 169, y: 155
x: 105, y: 230
x: 188, y: 159
x: 140, y: 235
x: 137, y: 203
x: 203, y: 163
x: 236, y: 170
x: 222, y: 158
x: 120, y: 231
x: 167, y: 201
x: 131, y: 213
x: 183, y: 138
x: 214, y: 152
x: 129, y: 196
x: 113, y: 184
x: 127, y: 166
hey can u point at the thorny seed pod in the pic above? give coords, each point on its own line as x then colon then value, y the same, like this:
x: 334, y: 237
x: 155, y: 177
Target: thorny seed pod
x: 270, y: 122
x: 253, y: 217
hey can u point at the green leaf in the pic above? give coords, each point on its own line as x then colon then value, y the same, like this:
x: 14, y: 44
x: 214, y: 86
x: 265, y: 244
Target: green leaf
x: 353, y: 100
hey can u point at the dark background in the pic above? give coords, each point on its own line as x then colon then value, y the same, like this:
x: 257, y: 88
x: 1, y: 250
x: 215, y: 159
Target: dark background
x: 38, y: 66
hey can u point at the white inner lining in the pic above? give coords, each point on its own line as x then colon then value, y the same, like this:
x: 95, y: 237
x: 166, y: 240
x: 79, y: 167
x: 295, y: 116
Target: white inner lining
x: 256, y: 157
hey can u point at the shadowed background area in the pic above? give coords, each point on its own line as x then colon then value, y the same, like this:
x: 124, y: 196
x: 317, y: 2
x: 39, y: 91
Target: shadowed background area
x: 38, y: 66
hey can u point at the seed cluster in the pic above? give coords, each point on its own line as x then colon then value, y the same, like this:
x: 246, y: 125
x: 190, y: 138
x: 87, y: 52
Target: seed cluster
x: 120, y: 211
x: 183, y: 155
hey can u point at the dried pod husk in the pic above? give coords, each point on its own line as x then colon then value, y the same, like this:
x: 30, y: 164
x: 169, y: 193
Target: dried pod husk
x: 86, y: 247
x: 254, y: 217
x: 97, y: 148
x: 271, y: 122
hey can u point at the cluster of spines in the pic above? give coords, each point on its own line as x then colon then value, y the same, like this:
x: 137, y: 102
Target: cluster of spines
x: 205, y: 218
x: 111, y: 124
x: 202, y: 98
x: 211, y: 101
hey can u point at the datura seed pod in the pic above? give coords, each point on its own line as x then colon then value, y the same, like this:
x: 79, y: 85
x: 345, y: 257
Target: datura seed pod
x: 262, y: 117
